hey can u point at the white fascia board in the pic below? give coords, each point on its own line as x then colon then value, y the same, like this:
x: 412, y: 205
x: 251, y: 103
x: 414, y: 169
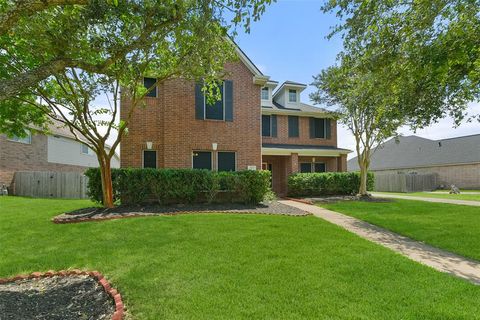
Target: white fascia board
x: 260, y: 80
x: 303, y: 152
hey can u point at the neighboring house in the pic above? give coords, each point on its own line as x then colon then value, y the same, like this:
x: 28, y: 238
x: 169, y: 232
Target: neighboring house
x: 454, y: 161
x: 252, y: 127
x: 57, y: 151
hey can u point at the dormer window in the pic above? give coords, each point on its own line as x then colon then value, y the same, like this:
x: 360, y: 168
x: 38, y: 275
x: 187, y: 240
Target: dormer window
x: 265, y: 93
x: 292, y: 95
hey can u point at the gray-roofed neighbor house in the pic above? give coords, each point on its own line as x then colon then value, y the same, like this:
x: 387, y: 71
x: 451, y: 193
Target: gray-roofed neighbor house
x: 454, y: 160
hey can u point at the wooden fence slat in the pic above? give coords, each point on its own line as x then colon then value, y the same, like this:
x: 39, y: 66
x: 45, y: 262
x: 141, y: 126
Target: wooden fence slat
x: 401, y: 182
x: 48, y: 184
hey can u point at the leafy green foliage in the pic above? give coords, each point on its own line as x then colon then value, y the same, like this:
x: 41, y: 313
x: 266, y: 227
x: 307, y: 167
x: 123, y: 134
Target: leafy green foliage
x: 427, y: 51
x: 329, y: 183
x: 166, y: 186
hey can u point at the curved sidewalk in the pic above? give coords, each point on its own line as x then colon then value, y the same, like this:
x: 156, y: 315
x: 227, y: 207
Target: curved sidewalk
x: 436, y: 258
x: 437, y: 200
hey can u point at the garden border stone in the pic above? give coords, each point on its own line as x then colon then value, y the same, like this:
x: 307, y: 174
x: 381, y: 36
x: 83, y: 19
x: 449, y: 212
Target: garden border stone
x: 101, y: 280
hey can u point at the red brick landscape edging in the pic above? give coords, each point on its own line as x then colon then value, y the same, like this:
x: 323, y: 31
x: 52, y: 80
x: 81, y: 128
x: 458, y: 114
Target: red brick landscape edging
x: 113, y: 293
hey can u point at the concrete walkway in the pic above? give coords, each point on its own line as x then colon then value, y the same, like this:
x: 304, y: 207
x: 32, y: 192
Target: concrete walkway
x: 438, y: 259
x: 437, y: 200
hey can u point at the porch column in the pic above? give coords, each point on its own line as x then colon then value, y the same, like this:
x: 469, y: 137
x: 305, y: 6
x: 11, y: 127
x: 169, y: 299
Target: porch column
x: 342, y: 163
x: 292, y: 166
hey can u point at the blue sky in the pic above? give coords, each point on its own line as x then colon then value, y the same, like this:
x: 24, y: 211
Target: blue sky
x: 289, y: 43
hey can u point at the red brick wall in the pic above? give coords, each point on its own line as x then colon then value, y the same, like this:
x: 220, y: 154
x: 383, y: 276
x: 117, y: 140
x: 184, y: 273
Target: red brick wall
x: 169, y: 122
x: 304, y: 133
x: 15, y: 156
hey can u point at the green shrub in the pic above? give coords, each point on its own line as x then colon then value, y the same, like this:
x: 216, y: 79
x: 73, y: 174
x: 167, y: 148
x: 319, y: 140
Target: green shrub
x: 167, y: 186
x: 329, y: 183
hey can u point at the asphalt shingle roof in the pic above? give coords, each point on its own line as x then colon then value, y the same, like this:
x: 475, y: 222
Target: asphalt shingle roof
x: 303, y: 107
x: 413, y: 151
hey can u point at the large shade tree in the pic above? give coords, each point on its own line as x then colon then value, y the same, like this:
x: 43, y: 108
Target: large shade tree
x: 364, y: 105
x: 431, y: 47
x: 104, y: 47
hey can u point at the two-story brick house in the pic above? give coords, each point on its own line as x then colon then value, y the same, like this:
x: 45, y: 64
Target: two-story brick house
x: 252, y: 127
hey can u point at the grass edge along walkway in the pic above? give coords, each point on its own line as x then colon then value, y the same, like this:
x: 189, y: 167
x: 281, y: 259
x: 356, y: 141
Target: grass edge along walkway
x: 438, y: 259
x: 437, y: 200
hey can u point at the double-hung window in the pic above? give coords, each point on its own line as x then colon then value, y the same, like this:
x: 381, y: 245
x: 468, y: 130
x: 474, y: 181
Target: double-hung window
x: 292, y: 95
x: 269, y: 125
x: 320, y: 128
x: 150, y: 159
x: 221, y: 108
x: 293, y: 128
x: 265, y: 93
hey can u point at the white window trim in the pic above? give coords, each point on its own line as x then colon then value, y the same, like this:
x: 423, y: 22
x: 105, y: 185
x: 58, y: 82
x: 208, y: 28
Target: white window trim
x: 20, y: 140
x: 226, y: 151
x: 205, y: 104
x: 143, y: 158
x: 211, y: 158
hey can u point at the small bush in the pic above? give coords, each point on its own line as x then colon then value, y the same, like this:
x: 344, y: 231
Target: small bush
x: 167, y: 186
x: 329, y: 183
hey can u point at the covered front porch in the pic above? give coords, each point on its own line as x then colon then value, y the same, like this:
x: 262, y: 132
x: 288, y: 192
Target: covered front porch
x: 283, y: 161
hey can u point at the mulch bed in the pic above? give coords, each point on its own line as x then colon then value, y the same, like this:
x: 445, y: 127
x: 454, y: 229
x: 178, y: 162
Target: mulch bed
x: 96, y: 214
x: 65, y: 295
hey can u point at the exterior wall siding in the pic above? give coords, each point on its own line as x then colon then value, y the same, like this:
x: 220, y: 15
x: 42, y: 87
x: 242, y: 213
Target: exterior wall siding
x: 465, y: 176
x: 15, y: 156
x: 169, y: 122
x: 304, y: 133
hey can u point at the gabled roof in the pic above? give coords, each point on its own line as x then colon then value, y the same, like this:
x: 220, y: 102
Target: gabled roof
x: 413, y: 151
x: 291, y: 84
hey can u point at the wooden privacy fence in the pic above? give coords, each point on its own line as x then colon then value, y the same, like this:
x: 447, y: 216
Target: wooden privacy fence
x: 403, y: 182
x: 46, y: 184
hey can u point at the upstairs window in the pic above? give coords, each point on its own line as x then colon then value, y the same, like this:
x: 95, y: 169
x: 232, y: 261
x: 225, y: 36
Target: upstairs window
x: 269, y: 125
x: 292, y: 95
x: 26, y: 140
x: 150, y: 84
x: 320, y: 128
x: 86, y: 150
x: 265, y: 93
x: 219, y: 110
x: 293, y: 128
x: 215, y: 111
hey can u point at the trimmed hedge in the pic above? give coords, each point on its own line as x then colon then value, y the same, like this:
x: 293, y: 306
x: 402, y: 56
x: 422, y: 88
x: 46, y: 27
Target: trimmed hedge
x: 329, y: 183
x: 167, y: 186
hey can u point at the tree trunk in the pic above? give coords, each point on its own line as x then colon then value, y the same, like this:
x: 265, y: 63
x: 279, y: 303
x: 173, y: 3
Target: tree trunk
x: 107, y: 186
x: 363, y: 180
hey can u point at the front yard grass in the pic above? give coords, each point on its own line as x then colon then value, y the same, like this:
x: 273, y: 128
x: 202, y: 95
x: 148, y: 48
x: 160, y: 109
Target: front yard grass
x: 448, y: 226
x: 219, y: 266
x: 438, y: 195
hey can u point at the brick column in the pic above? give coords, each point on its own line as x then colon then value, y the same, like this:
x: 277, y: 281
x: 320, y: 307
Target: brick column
x: 293, y: 165
x: 342, y: 163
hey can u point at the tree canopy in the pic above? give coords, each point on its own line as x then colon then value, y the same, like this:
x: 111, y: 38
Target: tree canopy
x: 430, y: 48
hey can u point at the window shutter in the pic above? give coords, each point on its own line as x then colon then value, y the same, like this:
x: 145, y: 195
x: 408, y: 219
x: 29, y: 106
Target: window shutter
x: 274, y: 125
x: 328, y: 130
x: 199, y: 102
x: 312, y: 127
x: 293, y: 130
x: 228, y: 87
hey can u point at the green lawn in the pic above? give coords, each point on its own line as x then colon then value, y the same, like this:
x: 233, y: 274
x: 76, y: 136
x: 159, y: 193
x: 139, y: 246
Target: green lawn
x: 451, y: 227
x: 470, y: 197
x: 232, y: 266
